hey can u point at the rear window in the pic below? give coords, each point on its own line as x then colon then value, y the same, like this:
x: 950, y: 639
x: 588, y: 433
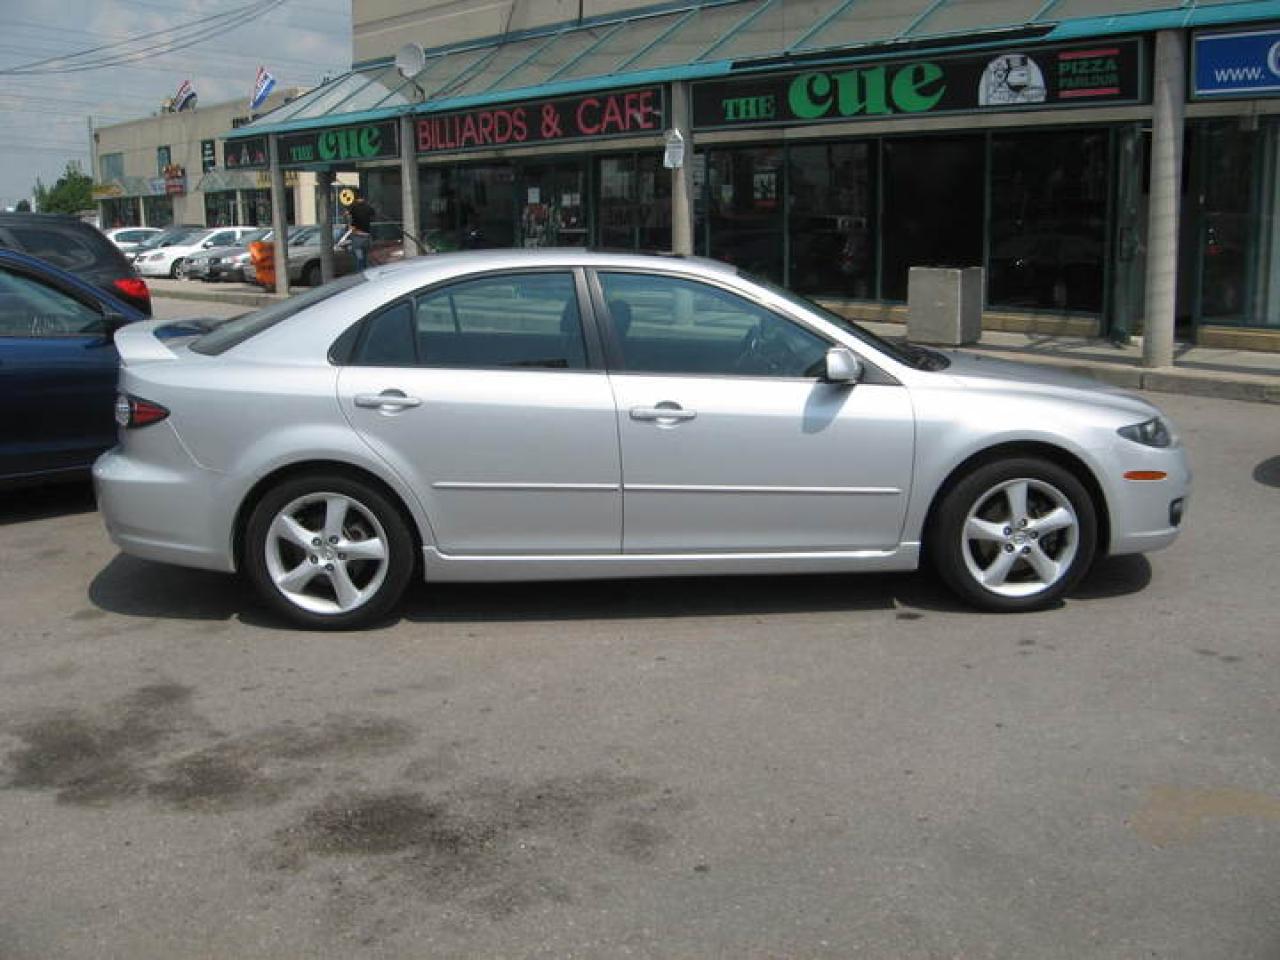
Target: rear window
x: 236, y: 331
x: 64, y: 247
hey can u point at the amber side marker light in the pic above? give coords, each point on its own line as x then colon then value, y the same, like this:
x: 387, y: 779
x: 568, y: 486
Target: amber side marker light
x: 1145, y: 475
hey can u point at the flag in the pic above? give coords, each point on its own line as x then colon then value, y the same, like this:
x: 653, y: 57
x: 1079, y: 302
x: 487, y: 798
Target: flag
x: 262, y: 88
x: 185, y: 97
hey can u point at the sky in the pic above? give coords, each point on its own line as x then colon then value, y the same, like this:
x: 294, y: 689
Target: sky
x: 43, y: 118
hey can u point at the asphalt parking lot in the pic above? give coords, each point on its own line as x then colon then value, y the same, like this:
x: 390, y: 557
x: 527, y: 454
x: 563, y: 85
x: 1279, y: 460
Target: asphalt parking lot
x: 747, y: 768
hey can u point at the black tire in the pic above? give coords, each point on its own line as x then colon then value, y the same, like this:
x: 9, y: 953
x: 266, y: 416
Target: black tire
x: 1004, y: 561
x: 175, y: 271
x: 271, y: 559
x: 311, y: 275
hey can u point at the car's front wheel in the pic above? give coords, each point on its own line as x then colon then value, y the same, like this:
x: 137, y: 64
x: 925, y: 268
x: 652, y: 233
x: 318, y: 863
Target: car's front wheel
x: 178, y: 268
x: 1014, y: 535
x: 328, y: 551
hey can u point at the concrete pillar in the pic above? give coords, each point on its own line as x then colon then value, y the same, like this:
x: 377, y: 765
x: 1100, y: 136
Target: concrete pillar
x: 409, y: 185
x: 278, y: 212
x: 682, y: 176
x: 240, y: 211
x: 1168, y: 103
x: 324, y: 182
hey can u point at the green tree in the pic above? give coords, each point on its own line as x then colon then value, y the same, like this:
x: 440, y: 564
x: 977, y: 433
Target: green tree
x: 72, y: 193
x: 24, y: 206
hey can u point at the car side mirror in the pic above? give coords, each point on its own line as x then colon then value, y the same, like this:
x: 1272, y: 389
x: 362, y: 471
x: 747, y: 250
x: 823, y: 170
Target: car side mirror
x: 843, y: 366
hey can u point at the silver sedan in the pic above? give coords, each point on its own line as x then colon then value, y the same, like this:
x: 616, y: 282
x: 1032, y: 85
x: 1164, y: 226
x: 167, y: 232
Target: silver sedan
x: 537, y: 415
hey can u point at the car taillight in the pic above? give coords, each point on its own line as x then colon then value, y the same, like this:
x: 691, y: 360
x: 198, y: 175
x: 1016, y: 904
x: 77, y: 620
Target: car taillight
x: 134, y: 412
x: 135, y: 289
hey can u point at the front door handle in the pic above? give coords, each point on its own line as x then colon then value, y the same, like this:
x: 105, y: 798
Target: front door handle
x: 387, y: 400
x: 665, y: 412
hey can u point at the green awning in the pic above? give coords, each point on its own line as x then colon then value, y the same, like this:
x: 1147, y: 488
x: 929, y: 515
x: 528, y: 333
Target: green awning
x: 704, y: 38
x: 216, y: 181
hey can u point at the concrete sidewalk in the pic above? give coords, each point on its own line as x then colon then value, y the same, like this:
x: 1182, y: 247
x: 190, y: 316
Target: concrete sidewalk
x: 1200, y: 371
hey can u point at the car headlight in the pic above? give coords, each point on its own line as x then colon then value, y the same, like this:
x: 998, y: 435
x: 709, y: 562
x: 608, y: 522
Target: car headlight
x: 1150, y: 433
x: 241, y: 258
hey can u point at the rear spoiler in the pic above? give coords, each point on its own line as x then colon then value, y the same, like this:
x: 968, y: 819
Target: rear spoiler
x: 137, y: 343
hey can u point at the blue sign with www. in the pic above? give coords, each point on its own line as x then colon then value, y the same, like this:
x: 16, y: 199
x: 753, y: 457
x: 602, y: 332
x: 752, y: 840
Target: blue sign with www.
x: 1244, y: 63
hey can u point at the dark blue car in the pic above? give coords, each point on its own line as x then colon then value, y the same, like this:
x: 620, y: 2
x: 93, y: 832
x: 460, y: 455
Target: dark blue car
x: 58, y: 369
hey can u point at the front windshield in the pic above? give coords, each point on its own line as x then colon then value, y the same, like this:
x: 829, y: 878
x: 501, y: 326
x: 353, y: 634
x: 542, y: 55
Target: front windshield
x: 905, y: 353
x: 172, y: 236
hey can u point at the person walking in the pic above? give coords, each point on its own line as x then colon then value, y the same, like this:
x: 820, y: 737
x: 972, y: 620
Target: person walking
x: 360, y: 216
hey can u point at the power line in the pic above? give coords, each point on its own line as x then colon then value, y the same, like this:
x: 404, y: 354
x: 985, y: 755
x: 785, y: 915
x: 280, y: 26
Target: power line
x: 178, y: 38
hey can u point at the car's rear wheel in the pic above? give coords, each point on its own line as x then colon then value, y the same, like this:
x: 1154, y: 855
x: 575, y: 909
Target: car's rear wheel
x: 177, y: 269
x: 328, y: 551
x: 311, y: 275
x: 1014, y: 535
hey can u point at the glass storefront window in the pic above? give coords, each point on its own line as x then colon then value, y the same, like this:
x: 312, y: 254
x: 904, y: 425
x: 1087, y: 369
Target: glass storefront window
x: 634, y: 208
x: 158, y: 211
x: 220, y: 209
x: 933, y: 207
x: 831, y: 220
x: 468, y: 207
x: 1048, y: 220
x: 122, y: 212
x: 1228, y: 226
x: 552, y: 204
x: 744, y: 199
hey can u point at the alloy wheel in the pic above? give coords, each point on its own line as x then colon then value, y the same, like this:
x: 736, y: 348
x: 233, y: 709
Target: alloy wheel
x: 327, y: 553
x: 1020, y: 537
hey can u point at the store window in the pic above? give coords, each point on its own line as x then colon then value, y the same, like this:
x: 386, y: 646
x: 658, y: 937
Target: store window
x: 634, y: 209
x: 744, y: 202
x: 220, y: 209
x: 552, y: 204
x: 831, y: 220
x: 469, y: 207
x: 933, y: 207
x: 1048, y: 220
x: 121, y: 212
x: 111, y: 167
x: 1234, y: 227
x: 158, y: 211
x: 163, y: 159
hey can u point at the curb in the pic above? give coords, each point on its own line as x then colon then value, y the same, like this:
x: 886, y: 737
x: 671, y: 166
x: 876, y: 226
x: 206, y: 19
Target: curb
x: 1252, y: 388
x: 245, y: 298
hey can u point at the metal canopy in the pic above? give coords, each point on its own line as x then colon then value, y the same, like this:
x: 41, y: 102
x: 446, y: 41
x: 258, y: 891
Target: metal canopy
x: 702, y: 38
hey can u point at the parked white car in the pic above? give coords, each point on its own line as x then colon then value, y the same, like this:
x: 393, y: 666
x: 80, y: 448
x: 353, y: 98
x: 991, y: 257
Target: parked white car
x: 129, y: 239
x: 169, y: 261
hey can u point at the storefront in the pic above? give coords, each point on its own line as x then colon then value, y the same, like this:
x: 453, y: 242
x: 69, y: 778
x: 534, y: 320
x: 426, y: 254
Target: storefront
x: 834, y: 169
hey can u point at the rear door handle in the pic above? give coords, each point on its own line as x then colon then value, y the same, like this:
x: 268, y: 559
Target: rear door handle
x: 664, y: 412
x: 387, y: 400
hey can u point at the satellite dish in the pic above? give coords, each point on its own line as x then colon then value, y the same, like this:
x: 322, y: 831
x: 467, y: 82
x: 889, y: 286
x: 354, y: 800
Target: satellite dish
x: 410, y: 60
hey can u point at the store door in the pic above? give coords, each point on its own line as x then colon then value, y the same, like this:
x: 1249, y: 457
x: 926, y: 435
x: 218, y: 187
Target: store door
x: 934, y: 207
x: 551, y: 205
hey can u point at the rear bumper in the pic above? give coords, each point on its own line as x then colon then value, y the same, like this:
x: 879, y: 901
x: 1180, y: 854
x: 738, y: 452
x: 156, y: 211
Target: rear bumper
x: 162, y: 512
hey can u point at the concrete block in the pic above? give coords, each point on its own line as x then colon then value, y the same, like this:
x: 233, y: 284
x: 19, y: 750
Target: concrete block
x: 944, y: 305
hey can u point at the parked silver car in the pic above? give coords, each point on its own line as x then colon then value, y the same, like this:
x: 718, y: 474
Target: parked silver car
x: 553, y: 414
x: 218, y: 263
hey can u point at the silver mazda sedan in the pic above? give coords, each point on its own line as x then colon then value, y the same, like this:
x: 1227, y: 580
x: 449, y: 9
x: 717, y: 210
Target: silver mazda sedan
x: 522, y: 415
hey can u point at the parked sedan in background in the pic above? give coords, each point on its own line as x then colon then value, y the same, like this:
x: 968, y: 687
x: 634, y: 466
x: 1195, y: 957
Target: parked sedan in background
x: 128, y: 239
x: 498, y: 413
x: 200, y: 265
x: 168, y: 260
x: 58, y: 369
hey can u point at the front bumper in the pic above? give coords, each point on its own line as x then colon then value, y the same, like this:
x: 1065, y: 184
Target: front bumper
x: 1147, y: 514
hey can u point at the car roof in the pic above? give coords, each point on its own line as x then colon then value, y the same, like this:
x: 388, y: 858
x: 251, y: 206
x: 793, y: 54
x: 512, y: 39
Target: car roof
x: 35, y: 265
x: 468, y: 261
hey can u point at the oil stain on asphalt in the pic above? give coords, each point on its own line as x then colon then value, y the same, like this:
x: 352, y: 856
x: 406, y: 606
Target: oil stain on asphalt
x: 491, y: 846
